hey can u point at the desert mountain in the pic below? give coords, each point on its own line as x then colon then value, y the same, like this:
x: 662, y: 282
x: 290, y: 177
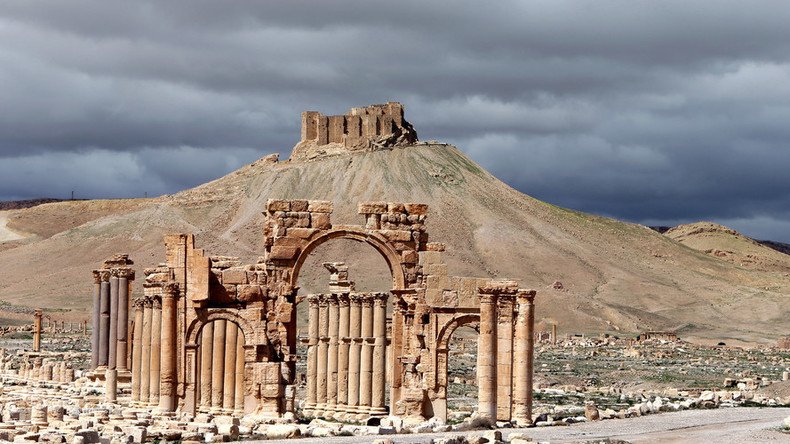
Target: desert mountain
x: 593, y: 274
x: 730, y: 245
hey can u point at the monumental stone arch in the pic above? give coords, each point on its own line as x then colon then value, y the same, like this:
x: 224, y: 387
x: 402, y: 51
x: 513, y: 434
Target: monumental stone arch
x: 203, y: 315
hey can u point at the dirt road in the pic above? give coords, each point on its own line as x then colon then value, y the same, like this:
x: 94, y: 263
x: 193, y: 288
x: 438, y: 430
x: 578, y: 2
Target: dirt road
x: 740, y: 424
x: 5, y: 233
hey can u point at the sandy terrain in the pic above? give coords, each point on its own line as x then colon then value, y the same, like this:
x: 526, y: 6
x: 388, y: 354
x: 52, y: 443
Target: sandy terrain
x: 741, y: 424
x: 6, y: 234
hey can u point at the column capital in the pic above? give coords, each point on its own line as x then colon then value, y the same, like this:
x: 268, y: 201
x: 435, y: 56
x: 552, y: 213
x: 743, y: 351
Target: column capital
x: 170, y: 290
x: 343, y: 299
x: 323, y: 301
x: 487, y: 298
x: 97, y: 276
x: 104, y: 275
x: 127, y: 273
x: 156, y: 302
x: 331, y: 299
x: 526, y: 296
x: 138, y: 302
x: 313, y: 299
x: 380, y: 299
x: 148, y: 302
x: 356, y: 298
x: 367, y: 300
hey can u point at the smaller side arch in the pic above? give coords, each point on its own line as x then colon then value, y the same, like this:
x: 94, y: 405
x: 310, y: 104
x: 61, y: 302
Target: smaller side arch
x: 447, y: 330
x: 213, y: 314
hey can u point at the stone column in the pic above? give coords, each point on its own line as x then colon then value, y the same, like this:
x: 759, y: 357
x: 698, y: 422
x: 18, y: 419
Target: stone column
x: 156, y: 350
x: 168, y: 377
x: 137, y: 348
x: 121, y: 353
x: 113, y: 340
x: 504, y: 356
x: 111, y: 384
x: 486, y: 359
x: 145, y: 367
x: 206, y: 356
x: 354, y: 331
x: 530, y: 309
x: 104, y: 319
x: 342, y: 355
x: 379, y: 354
x: 239, y: 389
x: 366, y: 359
x: 229, y: 384
x: 554, y: 334
x: 323, y: 351
x: 331, y: 367
x: 95, y: 319
x: 37, y: 315
x: 218, y: 366
x: 312, y: 354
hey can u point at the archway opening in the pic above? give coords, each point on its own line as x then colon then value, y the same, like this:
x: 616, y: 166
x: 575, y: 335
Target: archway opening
x: 462, y: 387
x: 355, y: 282
x: 220, y: 368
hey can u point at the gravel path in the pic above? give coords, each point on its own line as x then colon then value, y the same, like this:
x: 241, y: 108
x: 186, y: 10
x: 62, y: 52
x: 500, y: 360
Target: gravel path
x: 730, y: 425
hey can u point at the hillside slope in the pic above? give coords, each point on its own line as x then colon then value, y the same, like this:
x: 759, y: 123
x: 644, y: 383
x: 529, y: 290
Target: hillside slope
x: 615, y: 276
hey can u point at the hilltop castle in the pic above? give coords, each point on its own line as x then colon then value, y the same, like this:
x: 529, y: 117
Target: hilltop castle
x: 367, y: 128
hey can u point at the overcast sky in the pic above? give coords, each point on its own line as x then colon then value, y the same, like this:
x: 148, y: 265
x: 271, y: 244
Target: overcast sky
x: 656, y: 112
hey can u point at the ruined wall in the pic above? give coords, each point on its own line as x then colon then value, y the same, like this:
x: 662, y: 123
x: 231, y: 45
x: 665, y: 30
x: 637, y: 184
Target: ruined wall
x: 365, y: 128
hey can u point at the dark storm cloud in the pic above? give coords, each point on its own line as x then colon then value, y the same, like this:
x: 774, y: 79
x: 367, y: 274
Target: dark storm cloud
x: 658, y: 112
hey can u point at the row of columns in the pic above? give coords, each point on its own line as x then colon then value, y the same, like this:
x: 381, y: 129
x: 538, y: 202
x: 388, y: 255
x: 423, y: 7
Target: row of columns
x: 110, y: 319
x: 65, y: 327
x: 221, y: 368
x: 154, y: 350
x: 40, y: 370
x: 346, y: 355
x: 505, y: 355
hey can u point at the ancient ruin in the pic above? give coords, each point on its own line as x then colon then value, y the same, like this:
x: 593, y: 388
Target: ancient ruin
x: 213, y: 335
x: 370, y: 127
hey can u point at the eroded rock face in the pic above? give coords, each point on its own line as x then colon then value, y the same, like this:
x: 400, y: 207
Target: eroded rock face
x: 361, y: 129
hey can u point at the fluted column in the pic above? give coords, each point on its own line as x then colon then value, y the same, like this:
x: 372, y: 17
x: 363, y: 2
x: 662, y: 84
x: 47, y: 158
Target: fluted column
x: 168, y: 378
x: 95, y: 319
x: 342, y: 355
x: 331, y: 367
x: 486, y: 358
x: 104, y: 319
x: 312, y: 355
x: 379, y: 354
x: 522, y: 362
x: 137, y: 352
x: 229, y: 387
x: 366, y: 358
x: 156, y: 350
x: 323, y: 350
x: 504, y: 356
x: 145, y: 367
x: 354, y: 331
x: 206, y: 357
x: 238, y: 406
x: 113, y: 340
x: 218, y: 366
x: 121, y: 354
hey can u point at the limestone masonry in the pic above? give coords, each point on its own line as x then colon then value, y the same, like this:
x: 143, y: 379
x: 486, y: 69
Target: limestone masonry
x: 368, y: 128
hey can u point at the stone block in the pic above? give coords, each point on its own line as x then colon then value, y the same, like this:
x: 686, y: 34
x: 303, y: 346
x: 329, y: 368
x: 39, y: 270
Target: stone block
x: 322, y: 130
x: 319, y: 206
x: 321, y: 221
x: 372, y: 207
x: 299, y: 205
x: 410, y: 257
x: 397, y: 235
x: 283, y: 253
x: 416, y: 209
x: 249, y: 293
x: 234, y: 276
x: 395, y: 207
x: 337, y: 128
x: 302, y: 233
x: 431, y: 258
x: 435, y: 246
x: 278, y: 205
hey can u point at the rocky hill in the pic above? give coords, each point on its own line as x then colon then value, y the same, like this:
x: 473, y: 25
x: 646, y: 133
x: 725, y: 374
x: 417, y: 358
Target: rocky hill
x: 593, y: 274
x: 731, y: 246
